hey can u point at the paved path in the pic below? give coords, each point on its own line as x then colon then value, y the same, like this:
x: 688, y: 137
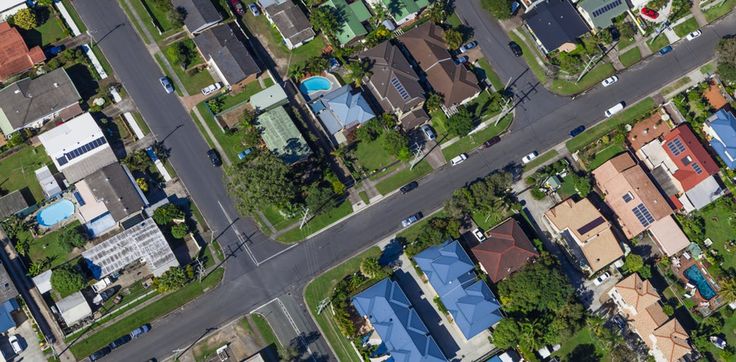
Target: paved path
x: 698, y: 14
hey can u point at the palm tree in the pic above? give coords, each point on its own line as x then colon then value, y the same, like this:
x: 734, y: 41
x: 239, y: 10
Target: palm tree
x: 728, y: 289
x: 380, y: 13
x: 358, y: 70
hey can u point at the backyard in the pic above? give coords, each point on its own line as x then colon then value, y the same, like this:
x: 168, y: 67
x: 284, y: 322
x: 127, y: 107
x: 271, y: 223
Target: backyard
x: 50, y: 247
x: 50, y: 31
x: 719, y: 219
x: 582, y: 346
x: 17, y: 170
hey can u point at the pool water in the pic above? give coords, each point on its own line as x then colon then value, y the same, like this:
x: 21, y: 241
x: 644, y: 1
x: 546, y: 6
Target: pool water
x: 694, y: 275
x: 55, y: 213
x: 315, y: 84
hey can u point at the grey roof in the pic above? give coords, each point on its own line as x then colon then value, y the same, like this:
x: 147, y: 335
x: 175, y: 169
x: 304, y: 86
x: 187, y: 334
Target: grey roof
x: 29, y: 100
x: 269, y: 98
x: 74, y: 308
x: 291, y: 21
x: 342, y: 108
x: 200, y: 14
x: 7, y: 288
x: 115, y: 187
x: 222, y: 45
x: 43, y: 281
x: 602, y: 12
x: 393, y: 81
x: 48, y: 182
x: 555, y: 22
x: 12, y: 203
x: 704, y: 193
x: 89, y: 165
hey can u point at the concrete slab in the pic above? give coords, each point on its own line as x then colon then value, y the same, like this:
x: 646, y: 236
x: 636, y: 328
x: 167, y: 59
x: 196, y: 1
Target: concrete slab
x: 435, y: 157
x: 26, y: 335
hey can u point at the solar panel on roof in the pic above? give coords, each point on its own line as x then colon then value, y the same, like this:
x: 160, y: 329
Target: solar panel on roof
x: 676, y: 146
x: 399, y: 88
x: 62, y: 160
x: 697, y: 168
x: 84, y: 149
x: 628, y: 197
x: 643, y: 214
x: 608, y: 7
x: 591, y: 225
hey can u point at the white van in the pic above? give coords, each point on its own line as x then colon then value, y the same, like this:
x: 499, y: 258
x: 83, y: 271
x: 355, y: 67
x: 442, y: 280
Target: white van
x: 615, y: 109
x: 459, y: 159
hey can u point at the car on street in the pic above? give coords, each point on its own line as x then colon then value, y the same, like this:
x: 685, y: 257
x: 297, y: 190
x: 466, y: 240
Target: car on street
x: 428, y: 132
x: 615, y: 109
x: 15, y: 344
x: 214, y: 157
x: 650, y: 13
x: 693, y: 35
x: 408, y: 187
x: 411, y: 219
x: 102, y: 352
x: 491, y: 142
x: 120, y: 341
x: 478, y: 233
x: 254, y: 9
x: 458, y: 159
x: 665, y: 50
x: 468, y: 46
x: 528, y: 158
x: 237, y: 7
x: 610, y: 80
x: 211, y: 88
x: 515, y: 48
x: 601, y: 278
x: 166, y: 83
x: 577, y: 130
x: 140, y: 330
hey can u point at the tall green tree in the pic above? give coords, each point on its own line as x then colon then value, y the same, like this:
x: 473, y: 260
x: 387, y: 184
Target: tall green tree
x: 67, y: 280
x: 397, y: 144
x: 172, y: 279
x: 434, y: 102
x: 461, y: 123
x: 537, y: 287
x: 324, y: 18
x: 320, y: 199
x: 25, y: 19
x: 166, y: 214
x: 437, y: 11
x: 262, y: 181
x: 453, y: 38
x: 506, y: 334
x: 357, y: 70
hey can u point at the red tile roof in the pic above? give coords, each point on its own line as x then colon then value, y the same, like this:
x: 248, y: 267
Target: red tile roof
x: 15, y: 57
x: 691, y: 157
x: 506, y: 250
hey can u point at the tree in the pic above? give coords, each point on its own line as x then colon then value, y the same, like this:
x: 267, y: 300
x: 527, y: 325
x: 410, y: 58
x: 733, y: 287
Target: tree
x: 537, y: 287
x: 453, y: 38
x: 262, y: 181
x: 434, y: 102
x: 626, y: 30
x: 728, y: 289
x: 726, y: 54
x: 324, y: 18
x: 437, y: 11
x: 380, y: 13
x: 582, y: 185
x: 506, y: 334
x: 166, y: 214
x: 501, y: 9
x: 179, y: 231
x: 633, y: 263
x: 320, y: 199
x: 67, y: 280
x: 396, y: 144
x: 73, y: 237
x: 172, y: 279
x: 461, y: 123
x: 39, y: 266
x: 357, y: 70
x: 138, y: 161
x: 142, y: 184
x: 371, y: 268
x: 25, y: 19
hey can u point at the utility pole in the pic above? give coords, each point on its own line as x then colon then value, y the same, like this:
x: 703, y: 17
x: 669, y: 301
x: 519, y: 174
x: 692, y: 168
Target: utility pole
x: 322, y: 305
x: 507, y: 107
x: 200, y: 269
x: 417, y: 155
x: 304, y: 218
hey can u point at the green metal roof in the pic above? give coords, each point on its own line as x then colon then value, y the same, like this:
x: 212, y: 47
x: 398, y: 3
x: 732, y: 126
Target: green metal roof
x: 281, y: 135
x: 400, y: 9
x: 602, y: 12
x: 355, y: 14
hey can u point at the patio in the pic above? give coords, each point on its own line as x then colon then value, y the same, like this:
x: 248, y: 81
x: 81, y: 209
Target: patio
x: 693, y: 274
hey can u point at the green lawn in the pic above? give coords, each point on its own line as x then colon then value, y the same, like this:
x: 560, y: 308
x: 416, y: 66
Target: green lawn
x: 675, y: 85
x: 373, y: 155
x: 317, y: 223
x: 275, y: 218
x: 486, y: 221
x: 51, y: 246
x: 630, y: 114
x: 540, y: 160
x: 490, y: 74
x: 364, y: 196
x: 193, y: 79
x: 583, y: 337
x: 403, y: 177
x: 454, y: 20
x: 631, y: 57
x: 163, y: 306
x: 709, y: 68
x: 473, y: 141
x: 18, y: 170
x: 624, y: 42
x: 160, y: 15
x: 75, y: 16
x: 145, y: 15
x: 129, y: 14
x: 51, y: 31
x: 720, y: 10
x: 233, y: 99
x: 605, y: 154
x: 720, y: 227
x: 103, y: 61
x: 231, y: 142
x: 161, y: 60
x: 530, y: 58
x: 141, y: 123
x: 567, y: 188
x: 265, y: 330
x: 658, y: 43
x: 412, y: 232
x: 593, y: 77
x: 320, y: 288
x: 688, y: 26
x: 439, y: 123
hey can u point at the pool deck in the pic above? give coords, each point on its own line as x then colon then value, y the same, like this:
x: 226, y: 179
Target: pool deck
x: 315, y: 95
x: 75, y: 216
x: 704, y: 306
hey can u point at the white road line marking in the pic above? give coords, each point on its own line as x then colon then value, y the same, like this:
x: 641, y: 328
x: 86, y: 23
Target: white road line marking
x: 237, y: 232
x: 277, y: 254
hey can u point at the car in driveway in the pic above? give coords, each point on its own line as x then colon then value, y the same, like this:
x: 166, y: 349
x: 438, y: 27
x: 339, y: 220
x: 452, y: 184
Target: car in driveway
x: 237, y: 7
x: 254, y: 9
x: 461, y: 59
x: 120, y: 341
x: 214, y: 158
x: 650, y: 13
x: 528, y: 158
x: 102, y: 352
x: 408, y: 187
x: 458, y: 159
x: 468, y: 46
x: 515, y: 48
x: 610, y: 80
x: 601, y: 278
x: 411, y: 219
x: 491, y: 142
x: 428, y: 132
x: 166, y: 83
x: 577, y: 130
x: 665, y: 50
x: 693, y: 35
x: 15, y: 344
x: 140, y: 331
x: 211, y: 88
x: 478, y: 233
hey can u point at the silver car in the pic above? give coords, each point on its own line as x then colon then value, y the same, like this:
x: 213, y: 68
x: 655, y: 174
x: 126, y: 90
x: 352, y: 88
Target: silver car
x: 166, y: 83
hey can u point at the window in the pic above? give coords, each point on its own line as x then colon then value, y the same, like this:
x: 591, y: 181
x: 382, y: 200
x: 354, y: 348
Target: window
x: 643, y: 214
x: 697, y: 168
x: 628, y: 197
x: 676, y: 146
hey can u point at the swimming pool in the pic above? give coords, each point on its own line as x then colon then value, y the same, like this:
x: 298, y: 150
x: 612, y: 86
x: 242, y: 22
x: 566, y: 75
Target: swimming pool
x: 315, y: 84
x: 694, y: 275
x: 55, y: 213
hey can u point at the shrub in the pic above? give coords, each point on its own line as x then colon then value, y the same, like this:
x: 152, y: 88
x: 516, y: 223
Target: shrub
x: 179, y: 231
x: 166, y: 214
x: 67, y: 280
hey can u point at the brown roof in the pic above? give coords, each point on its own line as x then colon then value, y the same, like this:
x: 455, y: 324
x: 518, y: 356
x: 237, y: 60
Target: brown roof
x: 426, y: 43
x: 414, y: 118
x: 505, y: 250
x: 393, y: 81
x: 15, y: 57
x: 626, y: 187
x: 714, y: 96
x: 647, y: 131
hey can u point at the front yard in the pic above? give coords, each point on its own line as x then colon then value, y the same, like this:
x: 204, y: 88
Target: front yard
x: 195, y: 76
x: 317, y: 223
x: 630, y: 114
x: 17, y: 170
x: 473, y: 141
x: 630, y: 57
x: 403, y: 177
x: 596, y: 75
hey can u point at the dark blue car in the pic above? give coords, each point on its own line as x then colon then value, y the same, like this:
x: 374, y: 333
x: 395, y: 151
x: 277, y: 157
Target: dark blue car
x: 577, y: 131
x: 665, y: 50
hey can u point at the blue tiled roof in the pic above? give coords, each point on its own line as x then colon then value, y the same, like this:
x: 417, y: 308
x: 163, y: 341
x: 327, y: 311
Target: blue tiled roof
x: 342, y: 108
x: 723, y: 124
x: 469, y: 300
x: 6, y: 320
x: 403, y: 333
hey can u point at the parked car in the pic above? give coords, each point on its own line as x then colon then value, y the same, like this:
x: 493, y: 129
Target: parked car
x: 650, y: 13
x: 15, y: 344
x: 105, y: 295
x: 461, y: 59
x: 428, y: 132
x: 408, y: 187
x: 166, y: 83
x: 254, y: 9
x: 211, y: 88
x: 101, y: 284
x: 693, y: 35
x: 478, y: 233
x: 610, y: 80
x: 719, y: 342
x: 468, y: 46
x: 515, y: 48
x: 491, y: 142
x: 601, y: 278
x: 411, y: 219
x: 334, y: 63
x: 54, y: 49
x: 458, y: 159
x: 120, y: 341
x: 237, y: 7
x: 104, y: 351
x: 577, y: 130
x: 243, y: 154
x: 140, y: 330
x: 665, y: 50
x: 214, y: 158
x: 615, y: 109
x: 528, y: 158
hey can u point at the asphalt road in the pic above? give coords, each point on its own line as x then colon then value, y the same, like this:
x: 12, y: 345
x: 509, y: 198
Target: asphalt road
x: 256, y: 274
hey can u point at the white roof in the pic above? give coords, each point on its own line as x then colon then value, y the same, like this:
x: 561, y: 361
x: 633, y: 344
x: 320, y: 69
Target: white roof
x: 268, y: 97
x: 43, y: 281
x: 669, y: 236
x: 704, y: 193
x: 7, y: 4
x: 48, y: 182
x: 70, y: 136
x: 74, y: 308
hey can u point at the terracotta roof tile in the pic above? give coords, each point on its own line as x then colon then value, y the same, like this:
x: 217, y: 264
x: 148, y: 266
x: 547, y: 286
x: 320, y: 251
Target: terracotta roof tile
x: 506, y: 250
x: 15, y: 57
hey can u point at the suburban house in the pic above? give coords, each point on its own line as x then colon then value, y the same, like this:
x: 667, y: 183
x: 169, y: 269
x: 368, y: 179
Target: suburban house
x: 586, y: 232
x: 223, y: 47
x: 282, y: 137
x: 268, y: 98
x: 15, y: 57
x: 341, y: 111
x: 721, y: 129
x: 401, y: 11
x: 647, y: 130
x: 469, y: 300
x: 454, y: 82
x: 599, y: 14
x: 630, y: 193
x: 505, y: 250
x: 29, y: 103
x: 354, y: 14
x: 555, y: 25
x: 395, y: 84
x: 290, y: 21
x: 395, y: 323
x: 8, y: 8
x: 12, y: 203
x: 200, y: 14
x: 683, y: 168
x: 639, y: 302
x: 78, y: 147
x: 8, y: 301
x: 73, y: 309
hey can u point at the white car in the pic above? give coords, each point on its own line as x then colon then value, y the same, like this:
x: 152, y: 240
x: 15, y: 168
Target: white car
x: 615, y: 109
x: 479, y: 235
x: 601, y: 278
x: 528, y: 158
x: 610, y: 80
x: 459, y: 159
x: 211, y: 88
x: 694, y: 35
x: 15, y: 344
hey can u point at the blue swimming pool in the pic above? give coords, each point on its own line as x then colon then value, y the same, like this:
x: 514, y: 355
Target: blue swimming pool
x: 55, y: 213
x: 315, y: 84
x: 695, y: 276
